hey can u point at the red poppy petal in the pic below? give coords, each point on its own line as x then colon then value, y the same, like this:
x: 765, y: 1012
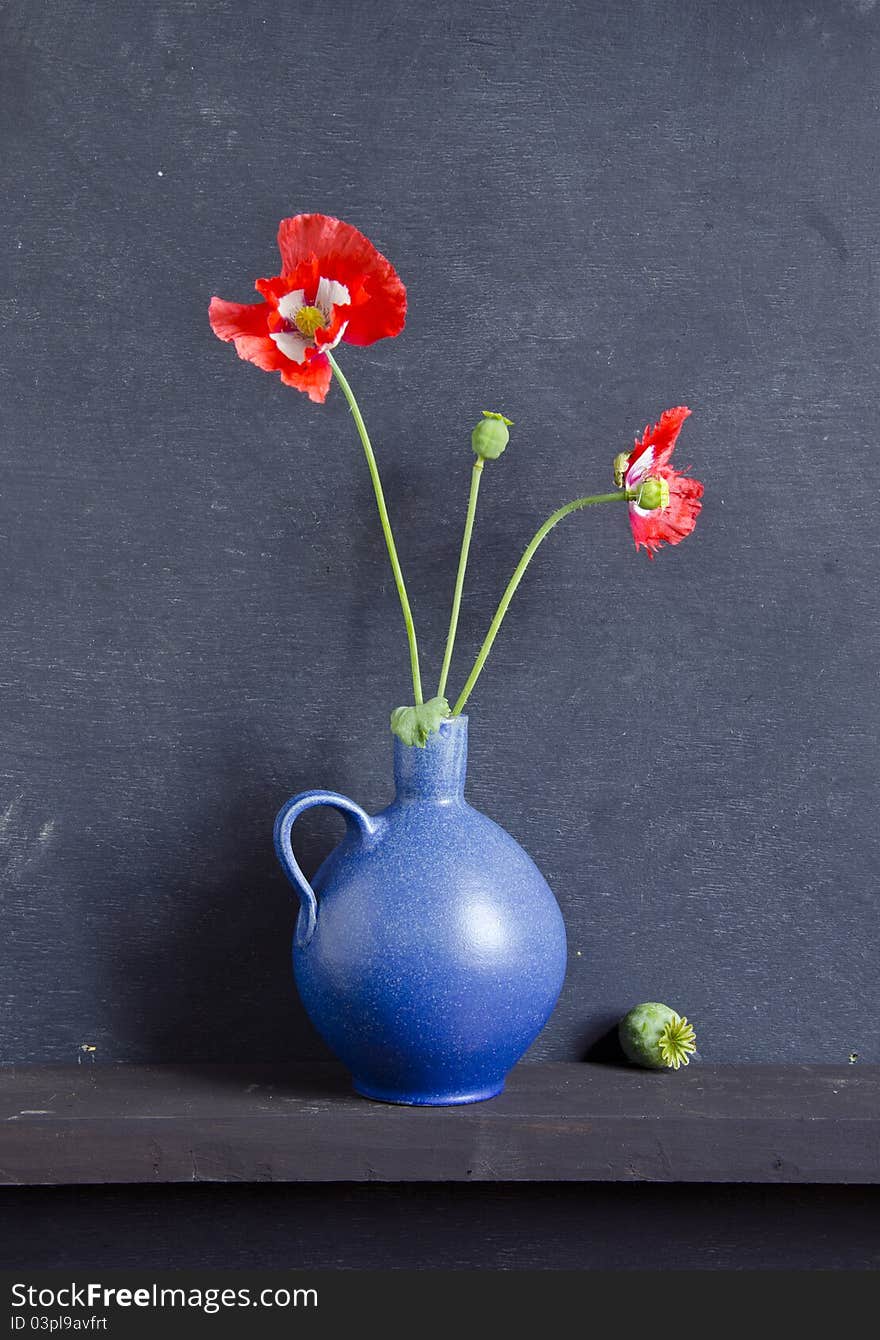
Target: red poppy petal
x: 231, y: 319
x: 306, y: 276
x: 327, y: 334
x: 670, y: 524
x: 313, y: 376
x: 662, y: 436
x: 245, y: 324
x: 638, y: 450
x: 344, y: 254
x: 273, y: 290
x: 666, y: 431
x: 319, y: 235
x: 262, y: 352
x: 382, y: 315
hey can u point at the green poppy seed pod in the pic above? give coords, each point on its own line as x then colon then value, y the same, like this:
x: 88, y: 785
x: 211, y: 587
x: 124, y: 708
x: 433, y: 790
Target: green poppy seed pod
x: 653, y: 494
x: 654, y: 1036
x: 490, y: 436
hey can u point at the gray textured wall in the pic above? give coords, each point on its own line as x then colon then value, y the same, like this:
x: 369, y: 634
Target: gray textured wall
x: 600, y: 209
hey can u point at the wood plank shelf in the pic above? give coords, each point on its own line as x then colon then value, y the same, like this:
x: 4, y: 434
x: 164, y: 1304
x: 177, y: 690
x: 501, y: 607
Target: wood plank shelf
x: 562, y: 1122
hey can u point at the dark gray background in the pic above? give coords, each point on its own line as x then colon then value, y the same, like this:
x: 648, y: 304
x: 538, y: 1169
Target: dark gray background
x: 599, y: 209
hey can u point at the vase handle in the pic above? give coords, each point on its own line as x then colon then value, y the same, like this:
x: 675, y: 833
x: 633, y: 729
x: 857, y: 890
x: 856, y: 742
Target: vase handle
x: 356, y: 820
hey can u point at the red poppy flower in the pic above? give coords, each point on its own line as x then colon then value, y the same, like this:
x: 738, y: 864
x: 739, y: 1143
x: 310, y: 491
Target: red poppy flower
x: 668, y: 524
x: 334, y: 285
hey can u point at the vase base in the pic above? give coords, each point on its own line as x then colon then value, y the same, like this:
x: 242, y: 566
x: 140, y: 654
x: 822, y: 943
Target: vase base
x: 406, y: 1098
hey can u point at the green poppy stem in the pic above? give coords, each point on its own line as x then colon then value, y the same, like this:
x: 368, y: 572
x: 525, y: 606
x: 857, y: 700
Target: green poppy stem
x: 621, y: 495
x: 476, y: 475
x: 386, y: 527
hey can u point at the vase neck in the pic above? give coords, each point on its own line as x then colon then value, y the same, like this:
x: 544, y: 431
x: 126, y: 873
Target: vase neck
x: 437, y: 771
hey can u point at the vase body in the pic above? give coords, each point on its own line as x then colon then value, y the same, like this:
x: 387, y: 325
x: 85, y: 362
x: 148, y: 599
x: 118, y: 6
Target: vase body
x: 431, y: 951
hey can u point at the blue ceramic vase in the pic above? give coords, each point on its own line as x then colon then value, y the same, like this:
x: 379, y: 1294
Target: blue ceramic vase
x: 429, y: 951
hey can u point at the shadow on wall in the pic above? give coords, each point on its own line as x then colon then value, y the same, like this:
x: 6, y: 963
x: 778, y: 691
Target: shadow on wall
x: 601, y: 1043
x: 206, y: 976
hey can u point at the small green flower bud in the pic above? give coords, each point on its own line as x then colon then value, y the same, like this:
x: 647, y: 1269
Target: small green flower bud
x: 490, y: 436
x: 621, y: 465
x: 653, y: 494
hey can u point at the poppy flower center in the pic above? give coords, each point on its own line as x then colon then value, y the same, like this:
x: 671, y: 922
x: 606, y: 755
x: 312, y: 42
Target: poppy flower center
x: 295, y: 323
x: 309, y: 319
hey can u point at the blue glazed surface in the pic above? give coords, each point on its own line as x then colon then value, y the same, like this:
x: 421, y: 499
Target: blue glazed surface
x: 430, y: 951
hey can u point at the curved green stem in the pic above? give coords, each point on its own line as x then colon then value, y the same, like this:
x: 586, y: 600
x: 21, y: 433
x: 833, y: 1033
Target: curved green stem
x: 386, y: 527
x: 476, y: 474
x: 540, y: 535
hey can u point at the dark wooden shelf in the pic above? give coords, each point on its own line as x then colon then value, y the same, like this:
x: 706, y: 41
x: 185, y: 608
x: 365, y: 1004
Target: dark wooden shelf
x: 561, y: 1122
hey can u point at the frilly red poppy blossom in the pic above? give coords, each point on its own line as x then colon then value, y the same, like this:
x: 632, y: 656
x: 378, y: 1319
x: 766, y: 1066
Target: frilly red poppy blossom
x: 676, y: 517
x: 334, y: 285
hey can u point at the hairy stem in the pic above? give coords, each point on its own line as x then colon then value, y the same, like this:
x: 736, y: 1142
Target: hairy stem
x: 386, y: 527
x: 476, y: 475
